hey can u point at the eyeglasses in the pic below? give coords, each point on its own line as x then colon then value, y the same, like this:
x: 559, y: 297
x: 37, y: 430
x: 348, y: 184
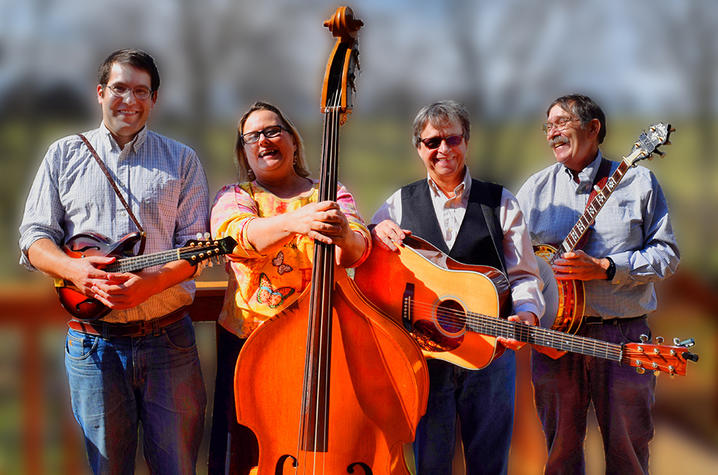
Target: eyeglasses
x: 435, y: 142
x: 141, y: 93
x: 560, y: 124
x: 269, y: 132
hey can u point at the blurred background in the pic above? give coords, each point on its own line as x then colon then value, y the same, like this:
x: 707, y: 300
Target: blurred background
x: 643, y: 61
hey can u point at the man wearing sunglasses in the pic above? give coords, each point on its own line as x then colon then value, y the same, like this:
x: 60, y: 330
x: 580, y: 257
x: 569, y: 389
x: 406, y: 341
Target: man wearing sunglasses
x: 474, y: 222
x: 137, y: 365
x: 629, y: 247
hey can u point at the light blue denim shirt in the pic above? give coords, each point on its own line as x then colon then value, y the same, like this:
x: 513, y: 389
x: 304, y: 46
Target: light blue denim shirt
x: 161, y: 179
x: 633, y: 229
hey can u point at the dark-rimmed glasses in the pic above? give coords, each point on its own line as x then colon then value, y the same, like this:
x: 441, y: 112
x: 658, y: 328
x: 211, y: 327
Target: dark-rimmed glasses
x: 433, y: 143
x: 269, y: 132
x: 560, y: 124
x: 120, y: 90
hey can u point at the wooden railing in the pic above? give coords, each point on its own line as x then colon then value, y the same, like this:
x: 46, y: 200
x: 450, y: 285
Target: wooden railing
x: 34, y: 310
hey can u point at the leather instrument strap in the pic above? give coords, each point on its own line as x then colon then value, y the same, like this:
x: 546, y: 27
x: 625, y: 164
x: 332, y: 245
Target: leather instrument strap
x: 598, y: 183
x: 117, y: 191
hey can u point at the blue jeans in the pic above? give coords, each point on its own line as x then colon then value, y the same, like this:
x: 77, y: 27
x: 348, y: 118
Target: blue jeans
x: 622, y: 398
x: 484, y: 402
x: 120, y: 382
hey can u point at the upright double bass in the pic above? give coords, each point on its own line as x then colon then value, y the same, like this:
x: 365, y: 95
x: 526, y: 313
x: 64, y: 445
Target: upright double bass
x: 332, y: 385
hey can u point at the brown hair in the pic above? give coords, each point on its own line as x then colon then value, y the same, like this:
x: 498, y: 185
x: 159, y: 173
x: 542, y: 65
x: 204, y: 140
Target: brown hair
x: 134, y: 57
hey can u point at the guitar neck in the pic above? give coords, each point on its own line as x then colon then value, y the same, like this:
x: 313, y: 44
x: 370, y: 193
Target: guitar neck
x: 135, y: 263
x: 544, y: 337
x: 596, y: 204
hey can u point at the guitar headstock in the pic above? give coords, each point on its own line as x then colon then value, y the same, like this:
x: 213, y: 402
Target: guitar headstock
x: 657, y: 357
x: 197, y: 250
x: 648, y: 142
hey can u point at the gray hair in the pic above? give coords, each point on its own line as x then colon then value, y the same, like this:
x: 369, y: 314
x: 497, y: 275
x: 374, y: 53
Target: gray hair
x: 584, y: 108
x: 441, y: 113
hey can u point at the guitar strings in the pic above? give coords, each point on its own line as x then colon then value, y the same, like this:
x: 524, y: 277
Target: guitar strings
x: 128, y: 264
x: 495, y: 326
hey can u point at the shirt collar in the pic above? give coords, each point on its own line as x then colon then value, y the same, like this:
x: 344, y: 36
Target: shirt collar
x: 588, y: 174
x: 135, y: 145
x: 462, y: 189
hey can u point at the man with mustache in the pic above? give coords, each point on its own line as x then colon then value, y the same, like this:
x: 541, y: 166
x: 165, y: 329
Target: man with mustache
x: 630, y: 247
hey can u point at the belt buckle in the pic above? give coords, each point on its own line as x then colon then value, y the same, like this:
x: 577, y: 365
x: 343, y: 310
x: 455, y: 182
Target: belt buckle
x: 152, y: 327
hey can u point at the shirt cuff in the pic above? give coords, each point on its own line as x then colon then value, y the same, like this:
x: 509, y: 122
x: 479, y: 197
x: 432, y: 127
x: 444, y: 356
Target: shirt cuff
x: 623, y: 267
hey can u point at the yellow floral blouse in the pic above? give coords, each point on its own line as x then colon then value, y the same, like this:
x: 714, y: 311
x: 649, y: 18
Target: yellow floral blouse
x: 262, y: 285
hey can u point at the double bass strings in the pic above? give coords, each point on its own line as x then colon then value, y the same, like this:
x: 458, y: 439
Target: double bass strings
x: 315, y: 397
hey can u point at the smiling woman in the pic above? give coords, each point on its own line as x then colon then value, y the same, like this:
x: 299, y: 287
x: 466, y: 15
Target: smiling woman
x: 275, y: 216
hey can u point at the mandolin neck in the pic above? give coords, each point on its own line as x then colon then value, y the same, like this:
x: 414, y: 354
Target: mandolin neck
x: 135, y: 263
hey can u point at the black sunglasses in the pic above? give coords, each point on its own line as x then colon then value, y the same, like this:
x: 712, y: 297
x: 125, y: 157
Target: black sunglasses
x: 435, y: 142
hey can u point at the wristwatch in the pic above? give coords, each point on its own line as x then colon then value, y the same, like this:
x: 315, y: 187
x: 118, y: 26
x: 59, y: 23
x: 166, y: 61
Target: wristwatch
x: 611, y: 271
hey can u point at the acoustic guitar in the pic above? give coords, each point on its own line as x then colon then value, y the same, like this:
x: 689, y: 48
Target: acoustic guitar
x: 565, y: 302
x: 94, y: 244
x: 453, y: 311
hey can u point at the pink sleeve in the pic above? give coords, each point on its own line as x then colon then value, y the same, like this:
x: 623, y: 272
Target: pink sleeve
x: 232, y: 210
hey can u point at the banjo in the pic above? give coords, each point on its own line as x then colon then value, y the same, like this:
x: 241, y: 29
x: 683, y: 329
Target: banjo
x: 565, y: 300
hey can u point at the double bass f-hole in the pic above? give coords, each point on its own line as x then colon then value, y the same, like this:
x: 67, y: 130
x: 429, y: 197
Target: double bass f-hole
x: 279, y: 469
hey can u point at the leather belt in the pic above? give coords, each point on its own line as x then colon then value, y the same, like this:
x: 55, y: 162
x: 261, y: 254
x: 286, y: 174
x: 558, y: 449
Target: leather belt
x: 131, y: 329
x: 595, y: 320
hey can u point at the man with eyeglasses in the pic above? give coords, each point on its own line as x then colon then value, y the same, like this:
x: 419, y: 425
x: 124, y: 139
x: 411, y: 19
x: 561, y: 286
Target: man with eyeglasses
x: 447, y: 209
x: 137, y: 365
x: 630, y: 247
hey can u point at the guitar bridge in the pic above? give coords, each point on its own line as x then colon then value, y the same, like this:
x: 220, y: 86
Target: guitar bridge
x: 407, y: 307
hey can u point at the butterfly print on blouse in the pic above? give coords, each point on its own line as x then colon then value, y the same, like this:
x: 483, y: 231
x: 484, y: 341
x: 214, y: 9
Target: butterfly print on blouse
x: 278, y: 262
x: 270, y: 296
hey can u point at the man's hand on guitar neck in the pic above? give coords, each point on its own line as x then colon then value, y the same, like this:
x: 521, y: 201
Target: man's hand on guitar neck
x: 527, y: 318
x: 577, y: 265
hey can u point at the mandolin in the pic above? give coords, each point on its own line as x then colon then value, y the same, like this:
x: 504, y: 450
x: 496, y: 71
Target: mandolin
x: 94, y: 244
x: 565, y: 301
x: 452, y: 310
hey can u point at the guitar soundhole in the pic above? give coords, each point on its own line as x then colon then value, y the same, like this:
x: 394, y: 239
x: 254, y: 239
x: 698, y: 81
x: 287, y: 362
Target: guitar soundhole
x: 450, y: 318
x: 445, y: 330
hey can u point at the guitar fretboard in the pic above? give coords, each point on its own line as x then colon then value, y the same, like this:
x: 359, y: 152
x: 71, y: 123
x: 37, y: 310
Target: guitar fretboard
x: 135, y: 263
x: 544, y: 337
x: 592, y: 209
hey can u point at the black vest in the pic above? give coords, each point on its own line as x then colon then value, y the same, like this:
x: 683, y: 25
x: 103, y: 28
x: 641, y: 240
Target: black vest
x: 478, y: 242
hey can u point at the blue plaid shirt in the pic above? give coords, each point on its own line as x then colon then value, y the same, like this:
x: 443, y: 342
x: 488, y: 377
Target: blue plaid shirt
x: 633, y: 229
x: 161, y: 179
